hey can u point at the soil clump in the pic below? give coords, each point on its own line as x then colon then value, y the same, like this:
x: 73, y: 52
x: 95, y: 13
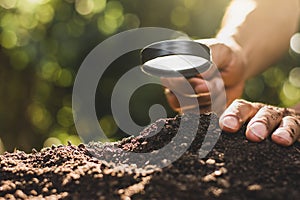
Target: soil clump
x: 131, y: 169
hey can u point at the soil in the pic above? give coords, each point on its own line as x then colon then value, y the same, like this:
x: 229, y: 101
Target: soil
x: 234, y: 169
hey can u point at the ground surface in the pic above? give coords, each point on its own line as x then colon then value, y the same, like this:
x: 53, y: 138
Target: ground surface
x: 234, y: 169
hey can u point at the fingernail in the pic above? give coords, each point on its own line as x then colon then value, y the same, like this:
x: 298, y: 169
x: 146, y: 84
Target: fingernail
x: 231, y: 122
x: 284, y: 136
x: 259, y: 130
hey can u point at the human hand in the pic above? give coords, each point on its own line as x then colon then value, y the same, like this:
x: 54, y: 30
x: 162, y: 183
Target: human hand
x: 282, y: 123
x: 231, y: 65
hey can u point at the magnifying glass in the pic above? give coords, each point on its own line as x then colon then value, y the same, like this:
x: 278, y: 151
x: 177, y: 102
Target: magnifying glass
x: 185, y: 58
x: 174, y: 58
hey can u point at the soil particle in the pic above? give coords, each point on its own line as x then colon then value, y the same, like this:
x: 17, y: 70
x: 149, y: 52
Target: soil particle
x: 234, y: 169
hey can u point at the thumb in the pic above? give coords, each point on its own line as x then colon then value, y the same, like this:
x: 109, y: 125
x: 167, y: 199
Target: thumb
x: 221, y: 55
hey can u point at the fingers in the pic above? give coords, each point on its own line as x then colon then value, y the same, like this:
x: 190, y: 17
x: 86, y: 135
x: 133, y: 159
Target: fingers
x: 179, y: 85
x: 288, y: 131
x: 237, y: 114
x: 199, y: 85
x: 282, y: 123
x: 204, y: 94
x: 264, y: 123
x: 191, y: 93
x: 221, y: 55
x: 181, y: 103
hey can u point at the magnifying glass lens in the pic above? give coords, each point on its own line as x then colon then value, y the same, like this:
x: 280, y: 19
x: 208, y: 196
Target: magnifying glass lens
x: 173, y: 58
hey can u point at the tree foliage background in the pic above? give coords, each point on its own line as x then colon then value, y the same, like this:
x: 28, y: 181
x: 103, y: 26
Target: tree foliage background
x: 43, y: 43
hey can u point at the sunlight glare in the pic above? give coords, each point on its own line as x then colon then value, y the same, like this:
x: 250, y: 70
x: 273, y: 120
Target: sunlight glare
x: 237, y: 14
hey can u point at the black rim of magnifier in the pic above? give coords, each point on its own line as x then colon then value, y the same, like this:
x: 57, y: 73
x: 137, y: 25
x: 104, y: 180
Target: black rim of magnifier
x: 175, y: 47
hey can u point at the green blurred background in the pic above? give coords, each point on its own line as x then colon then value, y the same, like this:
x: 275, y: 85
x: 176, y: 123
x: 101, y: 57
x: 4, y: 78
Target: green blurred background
x: 43, y: 43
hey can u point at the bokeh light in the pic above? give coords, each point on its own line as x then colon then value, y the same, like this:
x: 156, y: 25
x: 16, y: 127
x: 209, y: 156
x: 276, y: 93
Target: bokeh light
x: 9, y: 21
x: 131, y: 21
x: 8, y: 4
x: 84, y: 7
x: 9, y: 39
x: 294, y: 77
x: 51, y: 141
x: 48, y: 70
x: 112, y: 19
x: 108, y: 125
x: 180, y: 16
x: 45, y: 14
x: 38, y: 1
x: 190, y: 4
x: 64, y: 78
x: 289, y: 95
x: 65, y: 117
x: 295, y: 43
x: 254, y: 88
x: 62, y: 136
x: 274, y: 77
x: 28, y: 21
x: 39, y: 116
x: 99, y: 6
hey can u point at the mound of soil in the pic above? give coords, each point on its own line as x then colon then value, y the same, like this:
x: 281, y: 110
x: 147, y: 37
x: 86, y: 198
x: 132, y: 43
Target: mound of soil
x: 234, y: 169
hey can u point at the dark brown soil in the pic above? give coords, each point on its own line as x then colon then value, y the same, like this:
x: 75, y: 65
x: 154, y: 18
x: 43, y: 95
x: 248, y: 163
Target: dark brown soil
x: 234, y: 169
